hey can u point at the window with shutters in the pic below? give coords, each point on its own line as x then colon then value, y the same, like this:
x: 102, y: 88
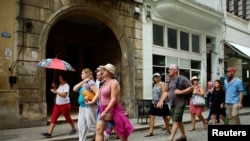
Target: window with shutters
x: 184, y: 41
x: 240, y: 8
x: 172, y: 38
x: 158, y: 31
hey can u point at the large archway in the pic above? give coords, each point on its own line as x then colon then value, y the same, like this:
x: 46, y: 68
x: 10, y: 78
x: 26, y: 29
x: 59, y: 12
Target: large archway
x: 84, y: 42
x: 86, y: 37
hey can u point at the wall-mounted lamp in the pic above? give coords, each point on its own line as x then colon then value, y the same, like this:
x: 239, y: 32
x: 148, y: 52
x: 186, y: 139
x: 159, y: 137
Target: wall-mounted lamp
x: 12, y: 80
x: 28, y: 24
x: 137, y: 12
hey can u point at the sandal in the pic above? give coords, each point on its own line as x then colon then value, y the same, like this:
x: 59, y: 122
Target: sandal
x: 149, y: 135
x: 192, y: 129
x: 168, y: 133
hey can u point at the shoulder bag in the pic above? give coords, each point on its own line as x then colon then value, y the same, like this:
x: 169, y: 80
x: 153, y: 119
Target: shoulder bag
x: 198, y: 100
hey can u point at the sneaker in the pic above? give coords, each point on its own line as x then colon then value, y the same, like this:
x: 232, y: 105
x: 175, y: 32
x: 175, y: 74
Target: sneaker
x: 106, y: 136
x: 46, y: 135
x: 72, y: 132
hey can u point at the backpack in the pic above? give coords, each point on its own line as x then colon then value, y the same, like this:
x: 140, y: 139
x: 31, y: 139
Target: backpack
x: 188, y: 95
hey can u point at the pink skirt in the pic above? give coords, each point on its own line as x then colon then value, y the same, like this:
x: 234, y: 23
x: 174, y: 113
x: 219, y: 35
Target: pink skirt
x: 195, y: 109
x: 123, y: 126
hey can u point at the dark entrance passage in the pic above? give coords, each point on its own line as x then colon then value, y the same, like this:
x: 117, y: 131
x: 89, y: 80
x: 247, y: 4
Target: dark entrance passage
x: 84, y: 42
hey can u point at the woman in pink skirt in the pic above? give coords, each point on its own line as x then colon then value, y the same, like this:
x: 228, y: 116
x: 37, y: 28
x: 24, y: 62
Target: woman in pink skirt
x: 196, y: 110
x: 109, y: 103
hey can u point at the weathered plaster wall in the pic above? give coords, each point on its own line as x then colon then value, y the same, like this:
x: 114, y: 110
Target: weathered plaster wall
x: 29, y: 46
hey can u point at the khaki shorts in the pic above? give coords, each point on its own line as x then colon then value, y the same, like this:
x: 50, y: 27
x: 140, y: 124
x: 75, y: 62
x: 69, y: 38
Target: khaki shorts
x: 177, y: 113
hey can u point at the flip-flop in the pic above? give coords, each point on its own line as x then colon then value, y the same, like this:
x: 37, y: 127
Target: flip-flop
x: 149, y: 135
x: 192, y: 129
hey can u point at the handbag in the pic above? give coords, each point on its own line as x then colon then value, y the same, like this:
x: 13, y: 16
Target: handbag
x: 198, y: 100
x: 88, y: 95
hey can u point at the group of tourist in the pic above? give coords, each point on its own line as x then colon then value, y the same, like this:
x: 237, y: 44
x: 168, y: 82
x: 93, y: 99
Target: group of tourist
x: 104, y: 113
x: 101, y: 114
x: 169, y: 100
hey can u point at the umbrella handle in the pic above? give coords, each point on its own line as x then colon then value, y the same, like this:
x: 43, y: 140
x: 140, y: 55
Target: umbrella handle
x: 54, y: 75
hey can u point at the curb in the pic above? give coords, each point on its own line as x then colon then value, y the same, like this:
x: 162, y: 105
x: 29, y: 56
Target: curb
x: 140, y: 128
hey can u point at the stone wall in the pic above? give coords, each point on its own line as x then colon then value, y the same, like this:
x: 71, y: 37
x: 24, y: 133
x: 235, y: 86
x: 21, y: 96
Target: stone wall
x: 30, y: 44
x: 9, y: 114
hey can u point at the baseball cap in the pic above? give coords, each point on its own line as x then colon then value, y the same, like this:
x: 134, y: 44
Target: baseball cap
x: 157, y: 75
x: 231, y: 69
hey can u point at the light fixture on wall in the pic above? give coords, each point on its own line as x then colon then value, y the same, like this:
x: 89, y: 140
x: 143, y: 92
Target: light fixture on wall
x: 12, y: 80
x: 28, y: 25
x: 137, y: 12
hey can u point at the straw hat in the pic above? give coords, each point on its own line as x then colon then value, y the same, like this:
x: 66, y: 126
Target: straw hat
x: 109, y: 67
x: 194, y: 78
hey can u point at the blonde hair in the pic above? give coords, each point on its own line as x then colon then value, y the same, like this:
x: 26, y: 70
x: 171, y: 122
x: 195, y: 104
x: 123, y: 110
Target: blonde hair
x: 89, y: 73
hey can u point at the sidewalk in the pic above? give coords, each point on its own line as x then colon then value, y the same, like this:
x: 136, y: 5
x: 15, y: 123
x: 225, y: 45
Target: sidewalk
x: 61, y: 130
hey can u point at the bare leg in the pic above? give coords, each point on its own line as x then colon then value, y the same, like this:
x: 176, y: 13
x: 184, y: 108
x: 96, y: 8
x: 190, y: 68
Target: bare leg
x: 166, y: 121
x: 223, y: 118
x: 51, y: 128
x: 151, y: 126
x: 151, y: 123
x: 175, y: 126
x: 181, y: 126
x: 214, y: 120
x: 100, y: 127
x: 200, y: 116
x: 192, y: 122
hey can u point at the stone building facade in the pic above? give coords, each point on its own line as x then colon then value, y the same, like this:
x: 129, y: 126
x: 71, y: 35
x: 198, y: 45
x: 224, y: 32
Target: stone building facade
x: 85, y: 33
x: 140, y: 37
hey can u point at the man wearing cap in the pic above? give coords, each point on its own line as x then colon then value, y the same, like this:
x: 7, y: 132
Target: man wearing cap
x: 234, y: 96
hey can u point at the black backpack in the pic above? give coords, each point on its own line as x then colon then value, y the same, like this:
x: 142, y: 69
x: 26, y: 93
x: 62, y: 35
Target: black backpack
x: 188, y: 95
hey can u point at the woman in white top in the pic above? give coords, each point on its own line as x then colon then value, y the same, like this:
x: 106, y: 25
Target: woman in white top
x: 62, y: 106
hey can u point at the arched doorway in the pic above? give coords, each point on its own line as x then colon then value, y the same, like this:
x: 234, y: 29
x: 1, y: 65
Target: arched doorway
x: 84, y: 42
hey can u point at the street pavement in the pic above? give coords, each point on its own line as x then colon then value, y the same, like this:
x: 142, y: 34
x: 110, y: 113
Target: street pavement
x: 62, y: 129
x: 200, y: 134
